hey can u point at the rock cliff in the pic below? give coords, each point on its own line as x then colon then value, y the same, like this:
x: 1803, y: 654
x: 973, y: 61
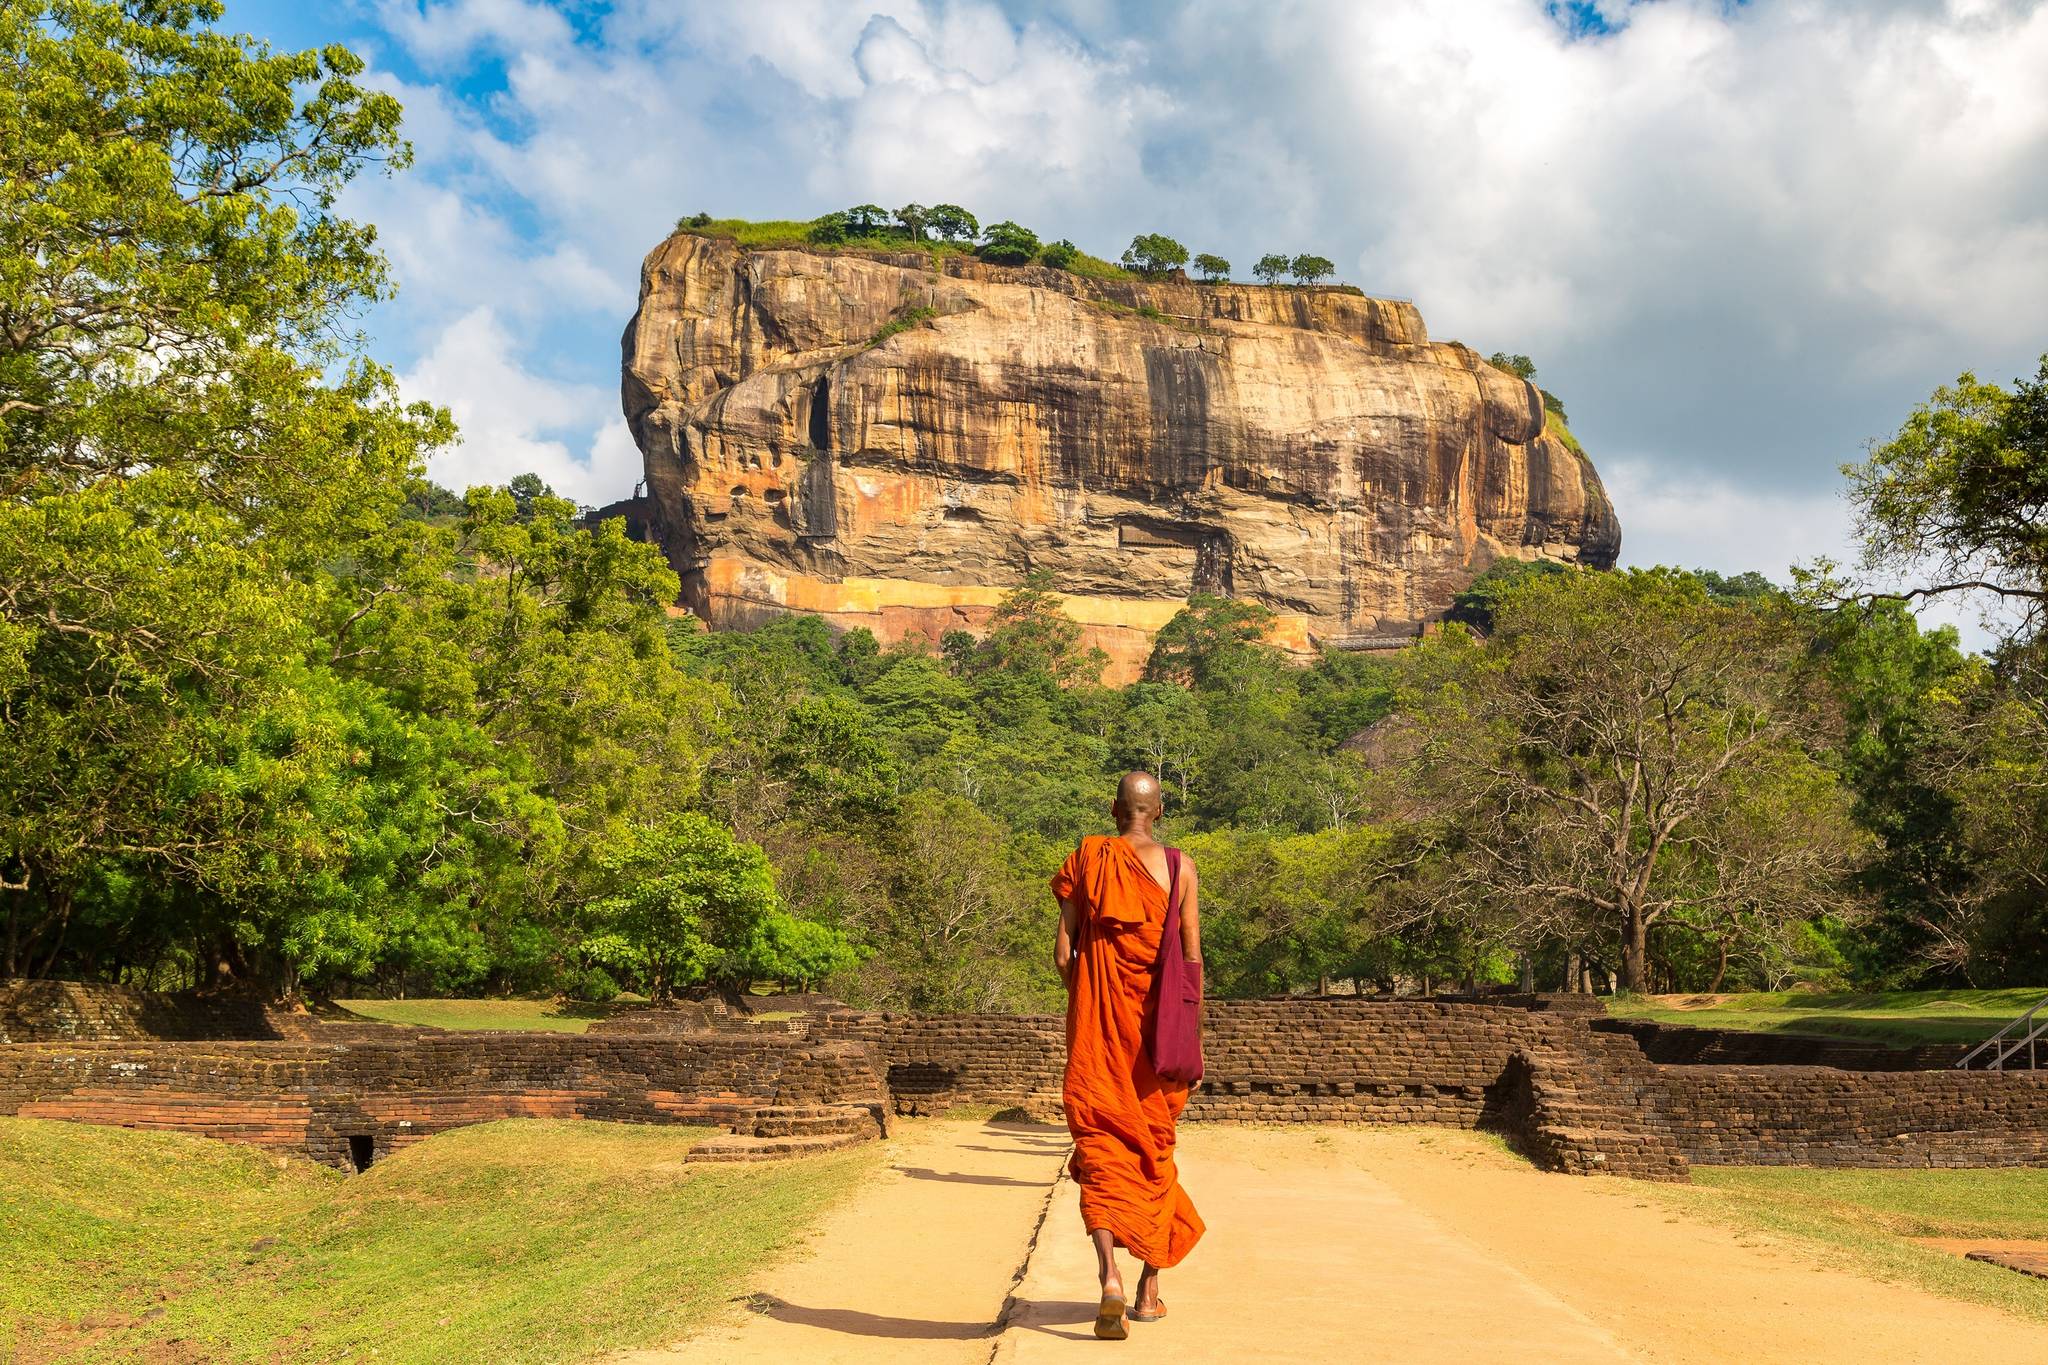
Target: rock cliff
x: 894, y: 445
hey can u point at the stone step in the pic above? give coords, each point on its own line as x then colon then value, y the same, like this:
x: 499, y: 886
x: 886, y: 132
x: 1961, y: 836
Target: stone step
x: 743, y: 1148
x: 853, y: 1121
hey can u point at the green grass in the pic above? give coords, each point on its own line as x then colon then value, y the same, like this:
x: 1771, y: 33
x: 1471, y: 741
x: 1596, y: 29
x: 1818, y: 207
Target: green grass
x: 552, y: 1016
x: 1553, y: 425
x: 1864, y: 1221
x: 901, y: 323
x: 1900, y: 1018
x: 524, y: 1240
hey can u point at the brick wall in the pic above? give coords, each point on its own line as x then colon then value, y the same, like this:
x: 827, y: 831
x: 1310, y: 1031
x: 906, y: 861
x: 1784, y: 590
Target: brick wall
x: 1330, y: 1059
x: 315, y: 1097
x: 935, y: 1061
x: 1817, y: 1116
x: 1578, y: 1094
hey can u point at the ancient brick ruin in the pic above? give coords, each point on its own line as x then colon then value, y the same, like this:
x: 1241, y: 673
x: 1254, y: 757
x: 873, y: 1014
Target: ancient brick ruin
x: 1577, y: 1092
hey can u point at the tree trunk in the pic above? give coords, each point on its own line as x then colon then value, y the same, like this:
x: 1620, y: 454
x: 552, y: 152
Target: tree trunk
x: 1635, y: 952
x: 1526, y: 976
x: 1574, y: 972
x: 1720, y: 970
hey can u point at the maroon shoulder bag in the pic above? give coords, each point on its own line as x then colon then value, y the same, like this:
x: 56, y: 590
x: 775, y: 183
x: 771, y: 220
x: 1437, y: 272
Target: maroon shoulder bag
x: 1177, y: 1020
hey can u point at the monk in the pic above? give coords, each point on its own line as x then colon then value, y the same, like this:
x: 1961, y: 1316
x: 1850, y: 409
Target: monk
x: 1112, y: 894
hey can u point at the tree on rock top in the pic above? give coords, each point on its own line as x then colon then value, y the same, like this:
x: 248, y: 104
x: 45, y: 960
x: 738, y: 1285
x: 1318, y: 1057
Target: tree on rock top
x: 1309, y: 269
x: 1153, y: 253
x: 1008, y: 243
x: 1212, y: 267
x: 1271, y: 267
x: 953, y: 223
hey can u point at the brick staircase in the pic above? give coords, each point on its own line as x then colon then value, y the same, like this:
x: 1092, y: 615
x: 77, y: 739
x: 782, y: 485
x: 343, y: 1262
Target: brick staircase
x: 775, y: 1131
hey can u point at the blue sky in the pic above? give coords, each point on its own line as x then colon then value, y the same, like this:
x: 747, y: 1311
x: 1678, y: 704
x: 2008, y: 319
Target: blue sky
x: 1739, y: 240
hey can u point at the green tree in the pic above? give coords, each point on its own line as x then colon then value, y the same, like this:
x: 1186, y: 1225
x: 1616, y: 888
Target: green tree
x: 830, y: 229
x: 1214, y: 643
x: 1623, y: 750
x: 1309, y: 269
x: 798, y: 953
x: 1271, y: 267
x: 912, y: 219
x: 867, y: 220
x: 526, y: 491
x: 683, y: 903
x: 1520, y: 366
x: 1960, y: 495
x: 189, y: 439
x: 1006, y: 243
x: 1476, y: 604
x: 1212, y: 267
x: 953, y: 223
x: 1059, y: 255
x: 1152, y: 253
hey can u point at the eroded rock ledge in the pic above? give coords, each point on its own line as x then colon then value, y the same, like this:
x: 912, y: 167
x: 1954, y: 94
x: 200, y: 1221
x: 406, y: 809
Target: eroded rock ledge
x: 895, y: 445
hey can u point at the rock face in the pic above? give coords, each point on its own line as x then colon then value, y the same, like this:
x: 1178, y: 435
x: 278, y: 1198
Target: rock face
x: 894, y: 445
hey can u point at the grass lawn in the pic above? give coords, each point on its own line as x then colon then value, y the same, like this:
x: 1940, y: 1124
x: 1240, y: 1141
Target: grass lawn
x: 525, y: 1240
x: 1898, y: 1017
x: 553, y: 1016
x: 1866, y: 1220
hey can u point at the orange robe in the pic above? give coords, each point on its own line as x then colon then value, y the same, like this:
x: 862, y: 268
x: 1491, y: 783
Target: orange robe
x: 1118, y: 1109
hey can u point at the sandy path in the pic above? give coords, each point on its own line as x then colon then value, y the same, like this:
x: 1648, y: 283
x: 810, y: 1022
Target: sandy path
x: 1399, y: 1244
x: 1308, y: 1257
x: 1672, y: 1287
x: 916, y: 1268
x: 1420, y: 1245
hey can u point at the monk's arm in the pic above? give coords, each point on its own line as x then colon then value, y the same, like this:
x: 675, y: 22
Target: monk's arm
x: 1191, y: 915
x: 1063, y: 940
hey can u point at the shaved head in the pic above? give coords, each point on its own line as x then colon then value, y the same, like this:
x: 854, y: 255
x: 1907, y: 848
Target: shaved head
x: 1138, y: 794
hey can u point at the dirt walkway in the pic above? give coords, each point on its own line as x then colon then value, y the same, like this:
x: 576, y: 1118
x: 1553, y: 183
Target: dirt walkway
x: 915, y: 1269
x: 1407, y: 1245
x: 1420, y: 1245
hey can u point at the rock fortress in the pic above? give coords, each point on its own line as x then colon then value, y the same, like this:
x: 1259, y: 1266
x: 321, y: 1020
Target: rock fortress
x: 895, y: 442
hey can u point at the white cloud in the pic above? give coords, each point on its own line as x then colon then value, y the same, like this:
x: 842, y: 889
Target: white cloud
x: 514, y: 421
x: 1739, y: 241
x: 438, y: 33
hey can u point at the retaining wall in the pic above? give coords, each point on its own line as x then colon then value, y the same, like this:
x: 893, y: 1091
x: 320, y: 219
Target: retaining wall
x: 1578, y: 1094
x: 386, y: 1094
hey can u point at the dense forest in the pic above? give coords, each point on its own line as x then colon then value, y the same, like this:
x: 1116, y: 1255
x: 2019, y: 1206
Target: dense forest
x: 275, y: 710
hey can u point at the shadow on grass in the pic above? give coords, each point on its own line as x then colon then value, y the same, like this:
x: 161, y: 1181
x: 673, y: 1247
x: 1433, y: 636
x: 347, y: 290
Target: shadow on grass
x: 1925, y: 1030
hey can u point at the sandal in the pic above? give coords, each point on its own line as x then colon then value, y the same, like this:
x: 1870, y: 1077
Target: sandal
x: 1109, y: 1319
x: 1140, y: 1315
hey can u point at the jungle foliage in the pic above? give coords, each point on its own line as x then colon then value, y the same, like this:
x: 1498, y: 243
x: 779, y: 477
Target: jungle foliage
x: 276, y: 709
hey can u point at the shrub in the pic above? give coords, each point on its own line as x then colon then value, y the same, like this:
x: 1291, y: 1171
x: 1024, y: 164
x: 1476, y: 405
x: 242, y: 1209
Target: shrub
x: 1059, y: 255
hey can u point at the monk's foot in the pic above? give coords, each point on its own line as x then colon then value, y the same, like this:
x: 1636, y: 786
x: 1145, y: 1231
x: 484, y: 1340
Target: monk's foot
x: 1148, y: 1307
x: 1109, y: 1315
